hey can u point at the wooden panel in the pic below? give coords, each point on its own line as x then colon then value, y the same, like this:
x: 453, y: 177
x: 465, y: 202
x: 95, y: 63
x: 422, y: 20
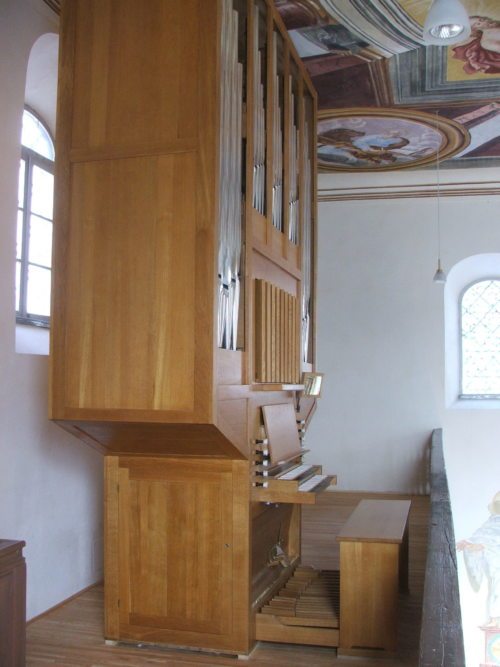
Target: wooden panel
x: 373, y: 557
x: 275, y: 241
x: 130, y: 85
x: 154, y: 439
x: 274, y: 274
x: 181, y: 537
x: 368, y: 596
x: 132, y: 274
x: 277, y: 495
x: 12, y: 604
x: 377, y: 521
x: 243, y: 631
x: 171, y: 557
x: 119, y: 51
x: 259, y: 226
x: 271, y: 629
x: 111, y: 546
x: 75, y: 629
x: 276, y: 335
x: 229, y: 367
x: 282, y: 432
x: 271, y: 526
x: 232, y: 421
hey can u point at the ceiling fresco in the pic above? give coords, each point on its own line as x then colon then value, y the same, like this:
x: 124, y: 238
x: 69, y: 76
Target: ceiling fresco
x: 387, y: 101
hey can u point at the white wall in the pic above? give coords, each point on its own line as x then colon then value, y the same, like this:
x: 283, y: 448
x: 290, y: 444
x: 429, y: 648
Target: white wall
x: 380, y: 342
x: 50, y: 483
x: 380, y: 338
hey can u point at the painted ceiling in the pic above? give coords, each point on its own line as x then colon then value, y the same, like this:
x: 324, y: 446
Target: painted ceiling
x: 386, y: 101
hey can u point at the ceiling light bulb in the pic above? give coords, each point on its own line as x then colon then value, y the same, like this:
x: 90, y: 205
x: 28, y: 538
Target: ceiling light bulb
x: 447, y: 23
x: 447, y: 31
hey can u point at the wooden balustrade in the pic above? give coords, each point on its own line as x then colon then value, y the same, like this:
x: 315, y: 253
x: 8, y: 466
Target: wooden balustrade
x: 441, y: 640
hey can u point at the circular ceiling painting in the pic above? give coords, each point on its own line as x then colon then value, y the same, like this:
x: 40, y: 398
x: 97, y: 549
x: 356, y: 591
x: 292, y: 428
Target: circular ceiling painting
x: 384, y: 139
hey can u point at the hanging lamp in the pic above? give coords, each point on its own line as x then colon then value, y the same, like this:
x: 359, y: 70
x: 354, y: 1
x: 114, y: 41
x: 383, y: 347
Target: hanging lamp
x: 447, y: 23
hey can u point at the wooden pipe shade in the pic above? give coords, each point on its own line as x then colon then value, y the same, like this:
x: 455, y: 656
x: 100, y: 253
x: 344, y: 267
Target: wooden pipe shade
x: 276, y: 334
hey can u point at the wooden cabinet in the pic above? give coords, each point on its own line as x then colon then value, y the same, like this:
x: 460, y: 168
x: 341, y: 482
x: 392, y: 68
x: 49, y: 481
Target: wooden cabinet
x: 164, y: 225
x: 133, y: 333
x: 183, y: 276
x: 177, y: 551
x: 12, y: 604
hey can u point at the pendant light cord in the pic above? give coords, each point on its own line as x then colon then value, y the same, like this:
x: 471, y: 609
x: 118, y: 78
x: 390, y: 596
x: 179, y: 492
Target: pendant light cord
x: 440, y: 275
x: 438, y: 191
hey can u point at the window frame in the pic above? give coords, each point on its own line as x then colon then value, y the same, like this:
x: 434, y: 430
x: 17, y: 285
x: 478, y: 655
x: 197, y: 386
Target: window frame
x: 32, y: 159
x: 461, y: 395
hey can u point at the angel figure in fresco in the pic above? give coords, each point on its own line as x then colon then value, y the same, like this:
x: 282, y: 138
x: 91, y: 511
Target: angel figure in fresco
x: 482, y: 559
x: 374, y: 148
x: 482, y: 52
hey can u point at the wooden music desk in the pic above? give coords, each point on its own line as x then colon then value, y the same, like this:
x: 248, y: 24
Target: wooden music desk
x: 373, y: 566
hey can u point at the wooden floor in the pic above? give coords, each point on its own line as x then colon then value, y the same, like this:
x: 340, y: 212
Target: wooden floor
x: 72, y: 634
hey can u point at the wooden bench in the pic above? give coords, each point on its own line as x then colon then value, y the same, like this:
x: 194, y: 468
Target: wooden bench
x: 373, y: 566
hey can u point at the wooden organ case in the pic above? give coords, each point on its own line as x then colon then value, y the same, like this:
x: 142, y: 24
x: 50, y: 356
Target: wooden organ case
x: 183, y: 302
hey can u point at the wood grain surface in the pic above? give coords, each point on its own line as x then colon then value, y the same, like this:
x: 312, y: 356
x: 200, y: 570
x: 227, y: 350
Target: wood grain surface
x: 72, y: 635
x: 377, y: 521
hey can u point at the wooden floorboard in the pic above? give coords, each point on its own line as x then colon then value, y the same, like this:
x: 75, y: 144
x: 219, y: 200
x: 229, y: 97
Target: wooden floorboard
x: 72, y: 635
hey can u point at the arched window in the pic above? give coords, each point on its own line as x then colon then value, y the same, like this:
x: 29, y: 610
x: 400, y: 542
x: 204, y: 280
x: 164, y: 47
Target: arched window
x: 480, y: 340
x: 34, y: 222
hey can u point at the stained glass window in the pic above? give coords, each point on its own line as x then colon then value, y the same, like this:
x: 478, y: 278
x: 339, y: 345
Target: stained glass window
x: 480, y: 340
x: 34, y: 223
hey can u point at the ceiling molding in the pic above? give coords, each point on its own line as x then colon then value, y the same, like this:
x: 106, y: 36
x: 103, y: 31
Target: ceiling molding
x: 459, y: 189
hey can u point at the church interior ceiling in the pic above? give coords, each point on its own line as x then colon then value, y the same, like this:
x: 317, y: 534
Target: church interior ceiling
x: 386, y: 100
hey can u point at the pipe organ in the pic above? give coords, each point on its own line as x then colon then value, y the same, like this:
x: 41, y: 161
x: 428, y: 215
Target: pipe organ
x: 183, y: 307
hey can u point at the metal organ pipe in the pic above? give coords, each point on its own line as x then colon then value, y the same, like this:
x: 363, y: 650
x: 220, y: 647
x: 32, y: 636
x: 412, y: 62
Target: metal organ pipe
x: 230, y: 196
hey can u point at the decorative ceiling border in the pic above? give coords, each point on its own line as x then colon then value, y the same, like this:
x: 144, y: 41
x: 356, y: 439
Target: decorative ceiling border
x: 419, y: 77
x: 409, y: 191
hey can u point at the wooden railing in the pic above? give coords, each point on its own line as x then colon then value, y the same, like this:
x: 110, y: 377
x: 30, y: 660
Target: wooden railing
x: 441, y: 640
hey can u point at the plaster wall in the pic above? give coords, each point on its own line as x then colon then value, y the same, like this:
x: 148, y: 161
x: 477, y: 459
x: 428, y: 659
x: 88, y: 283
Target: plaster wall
x: 50, y: 484
x: 380, y: 333
x: 380, y: 343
